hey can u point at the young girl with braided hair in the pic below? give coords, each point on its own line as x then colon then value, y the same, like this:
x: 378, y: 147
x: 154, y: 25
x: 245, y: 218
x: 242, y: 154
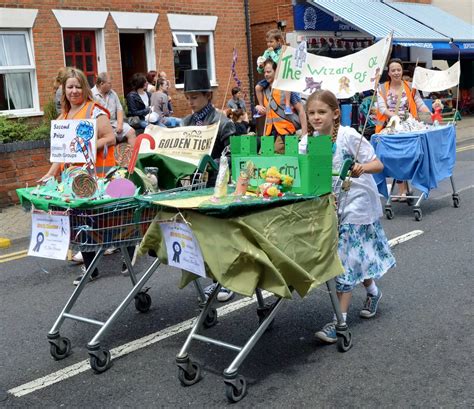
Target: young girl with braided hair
x: 363, y: 247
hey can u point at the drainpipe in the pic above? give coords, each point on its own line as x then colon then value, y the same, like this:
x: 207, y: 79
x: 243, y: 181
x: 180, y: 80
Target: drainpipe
x: 249, y: 52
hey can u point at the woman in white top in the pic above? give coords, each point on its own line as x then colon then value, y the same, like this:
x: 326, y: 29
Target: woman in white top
x: 363, y: 247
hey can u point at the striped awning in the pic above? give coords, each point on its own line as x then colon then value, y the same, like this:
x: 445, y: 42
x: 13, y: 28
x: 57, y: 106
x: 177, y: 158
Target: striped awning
x: 447, y: 24
x: 379, y: 19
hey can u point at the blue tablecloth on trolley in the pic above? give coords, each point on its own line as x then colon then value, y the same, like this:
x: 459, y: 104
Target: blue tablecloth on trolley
x: 423, y: 157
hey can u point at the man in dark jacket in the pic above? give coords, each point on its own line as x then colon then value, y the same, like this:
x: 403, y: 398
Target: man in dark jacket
x: 197, y: 90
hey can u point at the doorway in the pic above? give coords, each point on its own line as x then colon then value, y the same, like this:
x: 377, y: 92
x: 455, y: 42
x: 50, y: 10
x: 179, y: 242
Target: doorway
x: 133, y: 57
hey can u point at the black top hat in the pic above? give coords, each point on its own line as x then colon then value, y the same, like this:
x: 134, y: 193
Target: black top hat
x: 196, y: 81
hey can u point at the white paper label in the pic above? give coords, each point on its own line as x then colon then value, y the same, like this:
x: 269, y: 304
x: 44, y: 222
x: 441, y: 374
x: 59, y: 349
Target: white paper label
x: 49, y: 236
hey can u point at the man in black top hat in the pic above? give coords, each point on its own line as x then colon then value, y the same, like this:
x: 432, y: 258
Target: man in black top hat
x: 197, y: 90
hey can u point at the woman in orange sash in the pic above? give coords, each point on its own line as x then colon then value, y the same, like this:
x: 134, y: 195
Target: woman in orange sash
x: 77, y: 103
x: 396, y: 98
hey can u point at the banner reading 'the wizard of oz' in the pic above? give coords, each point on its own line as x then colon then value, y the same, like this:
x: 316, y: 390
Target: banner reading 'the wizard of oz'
x: 343, y: 76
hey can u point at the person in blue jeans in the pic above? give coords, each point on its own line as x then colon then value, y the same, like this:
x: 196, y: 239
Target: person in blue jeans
x: 363, y: 247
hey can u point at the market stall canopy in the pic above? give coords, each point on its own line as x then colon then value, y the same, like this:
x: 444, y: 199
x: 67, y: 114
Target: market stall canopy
x: 457, y: 30
x: 379, y: 19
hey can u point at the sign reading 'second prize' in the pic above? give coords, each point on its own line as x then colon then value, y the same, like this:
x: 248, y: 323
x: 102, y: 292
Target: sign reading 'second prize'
x: 73, y: 140
x: 343, y: 76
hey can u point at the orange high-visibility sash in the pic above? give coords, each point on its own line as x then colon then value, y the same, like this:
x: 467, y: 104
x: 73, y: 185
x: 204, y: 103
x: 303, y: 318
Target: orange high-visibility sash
x: 383, y: 90
x: 274, y: 101
x: 102, y: 164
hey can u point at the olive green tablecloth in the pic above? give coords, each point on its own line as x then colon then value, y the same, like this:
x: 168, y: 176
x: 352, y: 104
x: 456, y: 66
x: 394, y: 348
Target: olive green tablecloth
x: 275, y: 249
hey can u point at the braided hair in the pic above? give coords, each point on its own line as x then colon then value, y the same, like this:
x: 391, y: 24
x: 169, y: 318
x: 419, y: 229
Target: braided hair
x: 329, y: 99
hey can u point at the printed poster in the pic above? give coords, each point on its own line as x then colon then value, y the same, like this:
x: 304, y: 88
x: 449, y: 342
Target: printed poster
x: 183, y: 248
x: 73, y: 140
x: 49, y: 235
x: 185, y: 143
x: 306, y: 73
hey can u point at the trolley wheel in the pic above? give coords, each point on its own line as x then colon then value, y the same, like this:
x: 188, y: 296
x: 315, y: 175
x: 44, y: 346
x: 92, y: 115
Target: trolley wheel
x: 187, y: 377
x: 418, y: 214
x: 60, y: 348
x: 410, y: 200
x: 211, y: 318
x: 344, y: 341
x: 455, y: 200
x: 389, y: 213
x: 142, y: 302
x: 101, y: 363
x: 236, y: 388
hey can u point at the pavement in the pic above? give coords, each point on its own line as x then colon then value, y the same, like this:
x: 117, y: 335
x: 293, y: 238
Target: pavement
x: 15, y: 222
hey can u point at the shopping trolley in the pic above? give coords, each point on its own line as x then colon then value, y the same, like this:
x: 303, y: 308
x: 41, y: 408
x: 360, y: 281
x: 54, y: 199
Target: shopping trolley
x: 119, y: 223
x: 422, y: 158
x: 189, y: 371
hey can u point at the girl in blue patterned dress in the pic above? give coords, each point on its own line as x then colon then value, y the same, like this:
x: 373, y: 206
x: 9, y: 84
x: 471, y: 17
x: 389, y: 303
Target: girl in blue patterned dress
x: 363, y: 247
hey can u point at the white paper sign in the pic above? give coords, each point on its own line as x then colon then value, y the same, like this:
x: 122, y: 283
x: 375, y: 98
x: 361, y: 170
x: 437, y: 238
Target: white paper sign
x: 69, y: 139
x: 185, y: 143
x: 183, y: 248
x: 432, y: 80
x: 49, y: 236
x: 343, y: 76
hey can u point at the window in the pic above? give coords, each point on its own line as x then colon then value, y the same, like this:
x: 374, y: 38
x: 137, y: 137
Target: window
x: 80, y: 52
x: 17, y: 72
x: 193, y: 50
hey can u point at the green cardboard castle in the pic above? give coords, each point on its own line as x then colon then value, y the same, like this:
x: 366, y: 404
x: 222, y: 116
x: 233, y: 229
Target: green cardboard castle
x: 312, y: 172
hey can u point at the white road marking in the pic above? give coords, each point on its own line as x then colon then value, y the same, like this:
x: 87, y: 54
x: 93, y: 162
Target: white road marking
x: 450, y: 194
x: 404, y: 237
x: 125, y: 349
x: 151, y: 339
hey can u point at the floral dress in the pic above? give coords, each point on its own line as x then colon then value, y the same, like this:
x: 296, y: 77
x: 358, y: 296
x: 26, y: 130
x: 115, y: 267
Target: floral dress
x: 363, y: 246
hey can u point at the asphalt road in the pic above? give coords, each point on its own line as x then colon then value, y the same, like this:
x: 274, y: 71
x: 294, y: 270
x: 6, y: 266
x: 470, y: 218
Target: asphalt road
x: 417, y: 352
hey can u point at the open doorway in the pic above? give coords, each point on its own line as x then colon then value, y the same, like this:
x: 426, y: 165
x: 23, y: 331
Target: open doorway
x: 133, y: 56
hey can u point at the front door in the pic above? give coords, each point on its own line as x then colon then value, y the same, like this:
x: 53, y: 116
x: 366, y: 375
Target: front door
x: 133, y: 55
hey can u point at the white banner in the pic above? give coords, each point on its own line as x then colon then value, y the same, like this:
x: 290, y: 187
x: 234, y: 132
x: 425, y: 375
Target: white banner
x: 69, y: 139
x: 185, y: 143
x: 343, y: 76
x: 431, y: 80
x: 49, y: 236
x: 183, y: 248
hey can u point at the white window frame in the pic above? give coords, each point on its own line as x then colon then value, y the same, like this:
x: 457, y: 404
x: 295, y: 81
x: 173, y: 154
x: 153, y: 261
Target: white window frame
x: 194, y: 64
x: 31, y: 69
x: 81, y: 20
x: 178, y: 43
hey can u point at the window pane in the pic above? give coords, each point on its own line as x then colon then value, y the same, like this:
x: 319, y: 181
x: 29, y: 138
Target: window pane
x: 91, y: 80
x: 77, y: 42
x: 182, y: 62
x: 15, y: 91
x: 69, y: 62
x: 89, y: 63
x: 185, y: 38
x: 13, y: 50
x: 79, y: 62
x: 87, y: 44
x: 203, y: 53
x: 67, y: 43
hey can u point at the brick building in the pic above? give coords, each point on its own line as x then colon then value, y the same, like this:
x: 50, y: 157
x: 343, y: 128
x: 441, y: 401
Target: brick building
x: 120, y: 37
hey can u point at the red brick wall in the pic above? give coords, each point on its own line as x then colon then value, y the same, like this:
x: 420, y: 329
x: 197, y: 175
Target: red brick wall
x: 17, y: 168
x: 20, y: 169
x: 264, y: 16
x: 230, y: 30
